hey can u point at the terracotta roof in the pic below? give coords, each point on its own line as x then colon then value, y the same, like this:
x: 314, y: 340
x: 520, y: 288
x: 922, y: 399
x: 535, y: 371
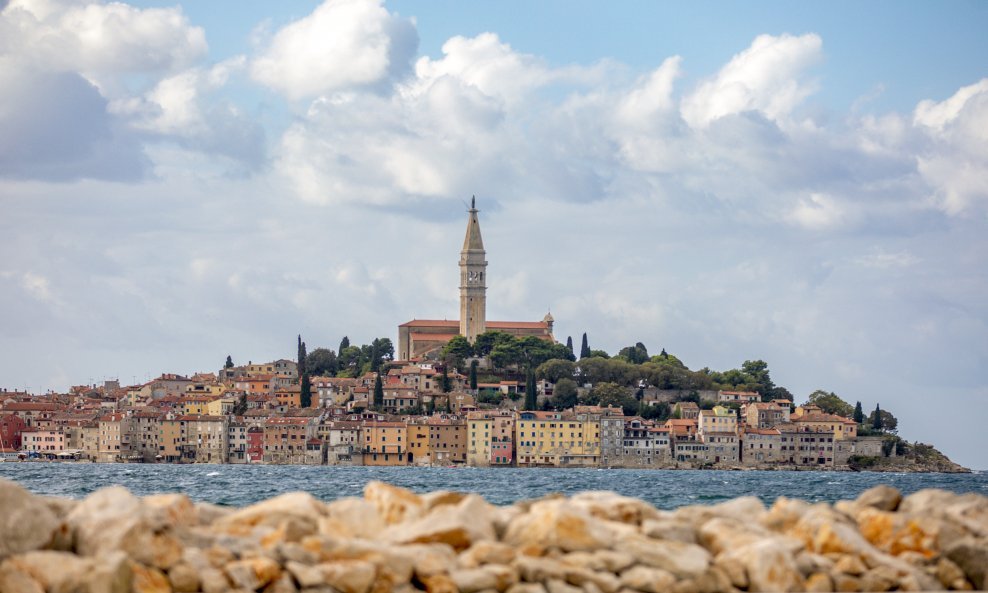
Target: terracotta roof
x: 426, y: 337
x: 455, y: 324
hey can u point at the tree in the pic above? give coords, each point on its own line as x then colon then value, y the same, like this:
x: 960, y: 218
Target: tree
x: 636, y: 354
x: 555, y: 369
x: 531, y: 397
x: 830, y: 403
x: 485, y: 342
x: 612, y: 394
x: 598, y: 354
x: 445, y: 380
x: 858, y: 413
x: 473, y: 374
x: 306, y: 394
x: 229, y: 362
x: 240, y: 408
x: 876, y: 418
x: 757, y: 370
x: 585, y: 347
x: 322, y: 362
x: 378, y: 393
x: 301, y: 355
x: 569, y: 345
x: 457, y: 349
x: 344, y: 343
x: 656, y: 411
x: 564, y: 394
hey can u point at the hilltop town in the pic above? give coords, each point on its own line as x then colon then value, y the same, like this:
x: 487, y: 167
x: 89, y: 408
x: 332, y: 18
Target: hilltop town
x: 467, y: 392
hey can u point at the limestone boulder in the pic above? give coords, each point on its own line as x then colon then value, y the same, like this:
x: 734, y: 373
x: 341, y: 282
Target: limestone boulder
x: 745, y: 509
x: 769, y: 564
x: 971, y: 556
x: 26, y: 522
x: 555, y: 523
x: 682, y: 560
x: 487, y: 552
x: 394, y: 504
x: 784, y: 513
x: 650, y: 580
x: 62, y: 572
x: 295, y: 512
x: 352, y: 517
x: 719, y: 534
x: 348, y: 576
x: 615, y: 507
x: 670, y: 528
x: 252, y: 573
x: 882, y: 497
x: 459, y: 526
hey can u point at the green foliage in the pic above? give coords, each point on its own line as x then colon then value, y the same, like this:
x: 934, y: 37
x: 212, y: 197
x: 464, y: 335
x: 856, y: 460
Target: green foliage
x: 458, y: 349
x: 486, y: 341
x: 656, y: 411
x: 473, y: 374
x: 344, y: 344
x: 598, y: 354
x: 830, y: 403
x: 611, y: 394
x: 664, y: 358
x: 490, y: 396
x: 322, y: 362
x: 378, y: 393
x: 531, y: 396
x: 445, y: 383
x: 564, y: 394
x: 240, y: 408
x: 636, y: 354
x: 585, y: 348
x: 306, y: 394
x: 229, y: 362
x: 556, y: 369
x: 876, y: 418
x: 858, y: 415
x: 569, y: 346
x: 886, y: 422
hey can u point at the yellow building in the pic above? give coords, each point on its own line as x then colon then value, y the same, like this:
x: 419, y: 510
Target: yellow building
x: 717, y: 420
x: 557, y: 439
x: 221, y: 406
x: 842, y: 428
x: 419, y: 448
x: 385, y: 443
x: 479, y: 439
x: 172, y: 440
x: 195, y: 405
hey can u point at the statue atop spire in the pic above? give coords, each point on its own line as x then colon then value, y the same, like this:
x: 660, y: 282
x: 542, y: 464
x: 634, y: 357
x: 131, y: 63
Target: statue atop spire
x: 473, y: 241
x: 473, y: 203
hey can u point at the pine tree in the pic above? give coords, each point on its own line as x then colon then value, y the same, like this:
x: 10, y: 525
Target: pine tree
x: 858, y: 413
x: 876, y: 418
x: 531, y: 397
x: 585, y: 348
x: 229, y: 362
x: 569, y: 345
x: 306, y: 391
x: 378, y: 393
x: 473, y: 375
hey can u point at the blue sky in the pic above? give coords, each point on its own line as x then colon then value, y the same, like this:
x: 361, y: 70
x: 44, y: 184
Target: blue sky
x: 802, y: 183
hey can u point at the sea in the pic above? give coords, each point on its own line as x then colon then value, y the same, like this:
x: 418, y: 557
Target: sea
x: 238, y: 485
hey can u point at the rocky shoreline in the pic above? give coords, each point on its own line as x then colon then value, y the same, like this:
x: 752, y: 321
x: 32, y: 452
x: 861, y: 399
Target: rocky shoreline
x: 445, y: 542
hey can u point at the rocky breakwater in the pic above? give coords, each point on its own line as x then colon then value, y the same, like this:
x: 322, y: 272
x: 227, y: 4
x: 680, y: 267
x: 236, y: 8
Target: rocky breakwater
x: 394, y: 540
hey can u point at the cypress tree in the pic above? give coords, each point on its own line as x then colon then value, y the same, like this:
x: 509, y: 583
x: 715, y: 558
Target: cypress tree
x: 301, y: 356
x: 306, y: 395
x: 344, y: 343
x: 585, y: 348
x: 569, y: 345
x: 858, y: 413
x: 876, y: 420
x: 229, y: 362
x: 473, y: 375
x: 445, y: 381
x: 531, y: 398
x: 378, y: 393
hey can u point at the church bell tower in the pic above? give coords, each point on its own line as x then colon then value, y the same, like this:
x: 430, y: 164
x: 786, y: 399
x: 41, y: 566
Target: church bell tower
x: 473, y: 279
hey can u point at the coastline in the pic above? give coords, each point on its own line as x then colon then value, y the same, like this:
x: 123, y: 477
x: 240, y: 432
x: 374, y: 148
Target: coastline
x: 390, y: 539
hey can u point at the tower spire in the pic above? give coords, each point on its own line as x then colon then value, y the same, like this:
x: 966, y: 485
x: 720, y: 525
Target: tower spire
x: 473, y: 283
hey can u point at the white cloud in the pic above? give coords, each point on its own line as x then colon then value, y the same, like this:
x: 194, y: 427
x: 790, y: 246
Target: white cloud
x: 343, y: 44
x: 766, y: 77
x: 819, y: 212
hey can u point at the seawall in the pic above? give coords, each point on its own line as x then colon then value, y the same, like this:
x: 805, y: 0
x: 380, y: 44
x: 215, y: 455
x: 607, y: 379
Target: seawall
x: 445, y: 542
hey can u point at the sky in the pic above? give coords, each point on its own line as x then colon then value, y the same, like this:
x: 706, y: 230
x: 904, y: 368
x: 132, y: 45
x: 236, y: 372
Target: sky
x: 805, y: 184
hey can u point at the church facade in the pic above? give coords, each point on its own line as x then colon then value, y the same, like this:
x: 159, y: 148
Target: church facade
x: 423, y: 338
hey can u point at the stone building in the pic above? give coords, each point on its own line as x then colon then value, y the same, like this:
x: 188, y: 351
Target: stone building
x: 421, y: 338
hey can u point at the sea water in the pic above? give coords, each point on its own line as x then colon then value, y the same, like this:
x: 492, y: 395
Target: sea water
x: 238, y: 485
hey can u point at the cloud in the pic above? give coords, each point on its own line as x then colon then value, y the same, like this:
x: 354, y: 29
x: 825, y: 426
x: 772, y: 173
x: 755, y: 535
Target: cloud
x: 766, y: 77
x: 342, y: 45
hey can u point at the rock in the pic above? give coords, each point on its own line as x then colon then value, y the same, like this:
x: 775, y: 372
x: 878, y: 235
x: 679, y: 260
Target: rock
x: 670, y: 528
x: 784, y: 513
x: 896, y: 533
x: 283, y: 584
x: 650, y: 580
x: 883, y: 498
x: 149, y: 580
x: 252, y: 573
x: 184, y: 578
x: 14, y: 580
x: 526, y: 588
x: 173, y: 509
x: 721, y: 533
x: 438, y: 498
x: 558, y: 586
x: 394, y: 504
x: 844, y: 583
x: 540, y: 570
x: 432, y: 559
x: 971, y: 556
x: 615, y: 507
x: 744, y: 509
x: 471, y: 580
x: 600, y: 560
x: 851, y: 565
x: 348, y: 576
x: 809, y: 563
x: 682, y: 560
x: 306, y: 575
x: 554, y: 523
x: 208, y: 513
x: 735, y: 571
x: 27, y: 523
x: 351, y: 517
x: 213, y: 580
x: 458, y: 526
x: 54, y: 571
x: 949, y: 574
x: 769, y: 563
x: 880, y: 578
x: 439, y: 583
x: 819, y: 582
x: 487, y: 552
x: 294, y: 508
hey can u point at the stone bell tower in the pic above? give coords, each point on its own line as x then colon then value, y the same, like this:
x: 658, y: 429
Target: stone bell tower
x: 473, y: 279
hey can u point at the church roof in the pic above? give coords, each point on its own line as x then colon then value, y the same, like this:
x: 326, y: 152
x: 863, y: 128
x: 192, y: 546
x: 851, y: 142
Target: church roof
x: 454, y: 323
x: 473, y: 241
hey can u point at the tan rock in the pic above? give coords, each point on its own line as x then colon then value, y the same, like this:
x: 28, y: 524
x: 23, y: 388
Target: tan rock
x: 949, y: 573
x: 283, y: 584
x: 471, y: 580
x: 295, y: 552
x: 439, y: 498
x: 26, y: 523
x: 348, y: 576
x: 584, y: 577
x: 207, y: 513
x: 184, y: 578
x: 149, y: 580
x: 554, y: 523
x: 469, y: 521
x: 719, y: 533
x: 844, y: 583
x: 252, y: 573
x: 683, y: 560
x: 784, y: 514
x: 769, y: 563
x: 745, y: 509
x: 394, y: 504
x: 558, y: 586
x: 55, y: 571
x: 819, y: 582
x: 213, y: 580
x: 300, y: 508
x: 971, y: 555
x: 526, y: 588
x: 809, y: 563
x: 110, y: 573
x: 432, y: 559
x: 880, y: 578
x: 306, y: 575
x: 15, y: 581
x: 352, y: 517
x: 615, y: 507
x: 173, y: 509
x: 670, y: 528
x: 487, y: 552
x: 882, y: 497
x: 540, y: 570
x: 600, y: 560
x: 850, y: 564
x: 439, y: 583
x: 650, y: 580
x: 896, y: 533
x: 735, y: 571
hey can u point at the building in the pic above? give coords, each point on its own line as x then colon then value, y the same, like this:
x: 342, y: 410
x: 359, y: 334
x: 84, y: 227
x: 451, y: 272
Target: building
x: 423, y: 338
x: 385, y: 443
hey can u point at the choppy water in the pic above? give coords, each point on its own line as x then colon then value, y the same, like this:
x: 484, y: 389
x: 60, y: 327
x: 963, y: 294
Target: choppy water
x: 239, y: 485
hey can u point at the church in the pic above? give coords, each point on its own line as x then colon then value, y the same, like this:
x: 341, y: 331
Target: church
x: 424, y: 338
